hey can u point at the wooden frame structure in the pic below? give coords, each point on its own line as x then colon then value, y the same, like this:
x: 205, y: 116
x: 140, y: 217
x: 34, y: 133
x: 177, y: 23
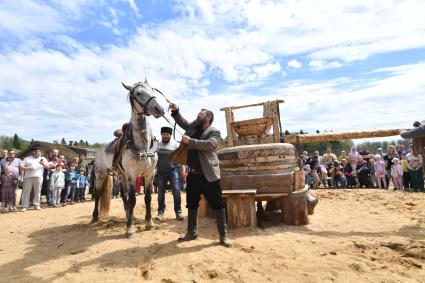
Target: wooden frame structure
x: 259, y: 125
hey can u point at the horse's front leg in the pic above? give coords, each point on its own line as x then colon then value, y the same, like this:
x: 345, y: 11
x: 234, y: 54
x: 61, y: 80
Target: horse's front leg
x: 131, y: 187
x: 148, y: 200
x: 124, y: 196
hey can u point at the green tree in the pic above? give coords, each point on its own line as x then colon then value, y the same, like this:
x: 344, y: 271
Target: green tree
x: 16, y: 142
x: 63, y: 141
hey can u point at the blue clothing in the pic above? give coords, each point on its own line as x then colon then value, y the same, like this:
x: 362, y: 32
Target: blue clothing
x: 81, y: 181
x: 71, y: 176
x: 173, y: 178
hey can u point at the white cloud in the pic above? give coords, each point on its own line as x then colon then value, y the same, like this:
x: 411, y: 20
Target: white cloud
x: 75, y: 91
x: 319, y: 65
x: 295, y: 64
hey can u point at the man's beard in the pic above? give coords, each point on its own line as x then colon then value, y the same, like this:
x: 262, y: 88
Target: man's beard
x: 166, y: 140
x: 198, y: 123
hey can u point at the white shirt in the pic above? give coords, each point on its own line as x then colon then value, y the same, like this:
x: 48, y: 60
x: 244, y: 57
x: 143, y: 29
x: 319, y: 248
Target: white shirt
x: 38, y: 171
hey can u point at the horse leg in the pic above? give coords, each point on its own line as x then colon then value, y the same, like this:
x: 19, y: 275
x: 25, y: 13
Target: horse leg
x: 124, y: 196
x: 97, y: 192
x: 131, y: 205
x: 148, y: 201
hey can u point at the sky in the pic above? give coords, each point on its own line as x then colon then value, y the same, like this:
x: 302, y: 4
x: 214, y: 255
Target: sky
x: 339, y: 65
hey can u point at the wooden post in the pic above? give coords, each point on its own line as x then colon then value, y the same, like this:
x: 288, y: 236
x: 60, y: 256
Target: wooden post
x: 294, y: 208
x: 231, y: 135
x: 275, y: 121
x: 299, y: 180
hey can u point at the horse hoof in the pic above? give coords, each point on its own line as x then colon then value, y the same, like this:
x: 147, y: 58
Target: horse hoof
x: 130, y: 233
x: 149, y: 225
x: 95, y: 220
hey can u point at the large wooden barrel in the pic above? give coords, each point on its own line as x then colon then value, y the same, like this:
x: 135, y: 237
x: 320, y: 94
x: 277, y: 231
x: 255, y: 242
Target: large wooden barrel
x: 268, y: 168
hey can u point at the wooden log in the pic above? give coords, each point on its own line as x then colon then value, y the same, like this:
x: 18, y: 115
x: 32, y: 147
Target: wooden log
x: 240, y: 209
x: 294, y: 208
x: 275, y: 121
x: 263, y: 183
x: 323, y: 137
x: 249, y: 105
x: 311, y: 203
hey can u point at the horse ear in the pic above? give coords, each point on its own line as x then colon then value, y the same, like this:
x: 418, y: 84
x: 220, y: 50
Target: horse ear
x: 146, y: 81
x: 129, y: 88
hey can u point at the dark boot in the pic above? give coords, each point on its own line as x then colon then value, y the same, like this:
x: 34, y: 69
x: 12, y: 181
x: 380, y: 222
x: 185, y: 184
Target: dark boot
x: 222, y: 227
x: 192, y: 226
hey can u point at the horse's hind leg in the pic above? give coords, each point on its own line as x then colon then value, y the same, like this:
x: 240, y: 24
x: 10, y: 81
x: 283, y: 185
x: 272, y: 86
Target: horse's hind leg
x: 131, y: 205
x: 148, y: 201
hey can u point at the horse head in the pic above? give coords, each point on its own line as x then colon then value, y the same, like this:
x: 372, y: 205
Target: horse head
x: 142, y: 100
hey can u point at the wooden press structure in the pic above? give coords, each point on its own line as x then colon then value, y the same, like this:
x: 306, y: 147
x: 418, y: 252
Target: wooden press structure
x: 256, y: 130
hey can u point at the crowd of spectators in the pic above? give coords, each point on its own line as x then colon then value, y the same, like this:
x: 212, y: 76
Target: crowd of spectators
x: 63, y: 182
x: 403, y: 168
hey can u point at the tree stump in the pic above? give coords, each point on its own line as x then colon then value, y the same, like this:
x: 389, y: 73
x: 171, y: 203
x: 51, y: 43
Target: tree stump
x: 294, y: 208
x: 240, y: 208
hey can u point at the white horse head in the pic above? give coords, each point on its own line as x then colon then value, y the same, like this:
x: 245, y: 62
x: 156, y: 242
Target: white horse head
x: 143, y: 101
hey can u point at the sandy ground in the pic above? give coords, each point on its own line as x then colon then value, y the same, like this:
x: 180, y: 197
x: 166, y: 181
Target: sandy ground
x: 354, y: 236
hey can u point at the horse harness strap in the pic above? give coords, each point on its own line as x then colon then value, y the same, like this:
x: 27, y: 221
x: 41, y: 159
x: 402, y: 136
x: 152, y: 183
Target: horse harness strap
x: 134, y: 148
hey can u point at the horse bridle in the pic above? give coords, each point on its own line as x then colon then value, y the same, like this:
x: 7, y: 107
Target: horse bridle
x: 133, y: 98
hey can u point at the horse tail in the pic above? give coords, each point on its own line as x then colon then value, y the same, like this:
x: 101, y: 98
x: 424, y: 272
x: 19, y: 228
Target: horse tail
x: 105, y: 196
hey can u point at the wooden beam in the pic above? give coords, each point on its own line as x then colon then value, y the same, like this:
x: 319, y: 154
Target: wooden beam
x: 248, y: 105
x: 324, y: 137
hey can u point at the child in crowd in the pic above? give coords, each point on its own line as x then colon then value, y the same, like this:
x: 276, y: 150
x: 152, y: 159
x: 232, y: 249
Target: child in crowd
x: 81, y: 185
x: 8, y: 184
x: 71, y: 184
x: 397, y: 174
x: 406, y: 174
x: 57, y: 184
x: 373, y: 177
x: 380, y: 172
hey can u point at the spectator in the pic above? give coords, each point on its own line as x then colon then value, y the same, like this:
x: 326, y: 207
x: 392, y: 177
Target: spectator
x: 71, y: 184
x: 57, y: 184
x: 328, y: 160
x: 380, y: 172
x: 53, y: 161
x: 406, y: 175
x: 33, y: 166
x: 353, y: 157
x: 348, y: 173
x: 82, y: 164
x: 363, y: 173
x: 388, y: 158
x: 81, y: 185
x: 343, y: 156
x: 373, y: 178
x: 313, y: 161
x: 3, y: 155
x: 183, y: 176
x: 64, y: 163
x: 15, y: 165
x: 415, y: 165
x: 338, y: 177
x: 365, y: 153
x: 380, y: 153
x: 8, y: 184
x: 397, y: 174
x: 307, y: 175
x: 90, y: 173
x: 401, y: 151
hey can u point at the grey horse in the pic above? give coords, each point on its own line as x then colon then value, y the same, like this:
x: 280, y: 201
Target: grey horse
x: 139, y: 158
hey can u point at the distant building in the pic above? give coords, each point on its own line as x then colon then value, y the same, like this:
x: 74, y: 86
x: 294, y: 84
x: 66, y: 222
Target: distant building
x: 69, y: 152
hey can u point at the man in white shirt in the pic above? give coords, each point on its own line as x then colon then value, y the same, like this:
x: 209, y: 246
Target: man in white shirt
x: 33, y: 166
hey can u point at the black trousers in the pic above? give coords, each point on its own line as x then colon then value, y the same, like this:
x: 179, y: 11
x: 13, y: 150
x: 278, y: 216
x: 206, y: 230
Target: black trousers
x: 197, y: 184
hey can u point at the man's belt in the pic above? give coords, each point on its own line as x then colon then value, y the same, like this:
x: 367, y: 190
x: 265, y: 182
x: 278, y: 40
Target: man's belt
x: 195, y: 171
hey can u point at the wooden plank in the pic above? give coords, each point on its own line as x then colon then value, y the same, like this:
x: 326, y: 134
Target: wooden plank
x: 269, y: 159
x: 323, y: 137
x: 251, y: 192
x: 271, y: 167
x: 249, y: 105
x: 264, y: 183
x: 299, y: 180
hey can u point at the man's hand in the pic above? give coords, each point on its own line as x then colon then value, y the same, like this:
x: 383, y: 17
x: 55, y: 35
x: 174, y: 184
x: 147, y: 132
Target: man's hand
x: 185, y: 139
x: 173, y: 106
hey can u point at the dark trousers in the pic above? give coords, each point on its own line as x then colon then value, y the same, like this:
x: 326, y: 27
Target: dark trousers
x: 197, y: 184
x: 406, y: 180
